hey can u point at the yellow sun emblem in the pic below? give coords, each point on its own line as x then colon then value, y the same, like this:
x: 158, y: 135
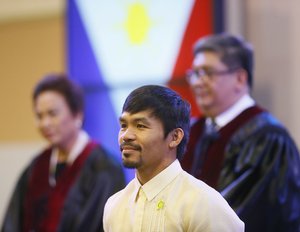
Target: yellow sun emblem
x: 137, y: 23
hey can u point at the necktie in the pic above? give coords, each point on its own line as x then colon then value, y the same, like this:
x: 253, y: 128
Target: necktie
x: 60, y: 167
x: 211, y: 128
x: 210, y: 134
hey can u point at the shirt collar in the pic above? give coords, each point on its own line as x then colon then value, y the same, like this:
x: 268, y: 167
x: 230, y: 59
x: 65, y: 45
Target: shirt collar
x: 78, y: 147
x: 243, y: 103
x: 160, y: 181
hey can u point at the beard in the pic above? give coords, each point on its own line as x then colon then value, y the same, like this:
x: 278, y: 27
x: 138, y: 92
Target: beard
x: 131, y: 164
x: 127, y: 163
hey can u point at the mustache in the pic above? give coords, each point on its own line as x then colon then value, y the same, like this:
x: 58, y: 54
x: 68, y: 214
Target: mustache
x: 128, y: 144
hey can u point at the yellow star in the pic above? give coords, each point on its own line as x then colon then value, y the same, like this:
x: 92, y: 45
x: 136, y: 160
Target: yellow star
x: 137, y: 23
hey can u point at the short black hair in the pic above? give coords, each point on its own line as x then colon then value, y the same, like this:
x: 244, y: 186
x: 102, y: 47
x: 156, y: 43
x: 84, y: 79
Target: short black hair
x: 234, y: 51
x: 166, y: 105
x: 61, y: 84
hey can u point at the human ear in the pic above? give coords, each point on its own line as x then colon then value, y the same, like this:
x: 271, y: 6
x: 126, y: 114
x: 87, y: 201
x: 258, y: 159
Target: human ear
x: 242, y: 76
x: 242, y: 80
x: 176, y: 137
x: 79, y: 120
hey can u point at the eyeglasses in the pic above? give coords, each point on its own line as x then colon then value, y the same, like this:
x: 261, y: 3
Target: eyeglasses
x: 193, y: 75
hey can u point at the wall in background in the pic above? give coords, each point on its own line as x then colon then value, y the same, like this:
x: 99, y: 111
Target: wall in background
x: 273, y: 29
x: 28, y: 49
x: 31, y: 45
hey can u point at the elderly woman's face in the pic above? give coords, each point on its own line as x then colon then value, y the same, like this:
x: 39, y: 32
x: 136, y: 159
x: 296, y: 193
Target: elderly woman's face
x: 55, y: 120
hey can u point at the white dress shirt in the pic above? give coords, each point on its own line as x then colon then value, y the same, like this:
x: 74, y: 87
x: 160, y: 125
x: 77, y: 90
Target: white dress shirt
x: 172, y: 201
x: 227, y: 116
x: 78, y: 147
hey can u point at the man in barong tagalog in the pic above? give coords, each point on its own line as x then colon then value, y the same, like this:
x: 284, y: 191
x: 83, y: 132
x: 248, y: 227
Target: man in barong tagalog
x: 154, y: 130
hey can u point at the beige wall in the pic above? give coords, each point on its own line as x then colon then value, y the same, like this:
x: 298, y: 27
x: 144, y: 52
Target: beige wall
x: 273, y: 28
x: 29, y: 48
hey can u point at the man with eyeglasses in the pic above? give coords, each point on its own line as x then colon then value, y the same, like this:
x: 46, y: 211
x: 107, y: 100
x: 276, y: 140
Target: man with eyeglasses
x: 238, y: 147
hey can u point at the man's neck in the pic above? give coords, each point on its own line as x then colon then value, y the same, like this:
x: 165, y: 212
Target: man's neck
x: 144, y: 174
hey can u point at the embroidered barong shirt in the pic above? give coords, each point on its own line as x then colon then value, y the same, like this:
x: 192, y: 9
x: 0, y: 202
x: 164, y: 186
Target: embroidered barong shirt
x: 171, y: 201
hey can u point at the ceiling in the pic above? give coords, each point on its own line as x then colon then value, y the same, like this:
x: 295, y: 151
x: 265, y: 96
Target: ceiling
x: 21, y: 9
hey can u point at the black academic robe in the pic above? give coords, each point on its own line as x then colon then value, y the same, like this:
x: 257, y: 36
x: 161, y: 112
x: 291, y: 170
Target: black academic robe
x: 74, y: 204
x: 255, y: 165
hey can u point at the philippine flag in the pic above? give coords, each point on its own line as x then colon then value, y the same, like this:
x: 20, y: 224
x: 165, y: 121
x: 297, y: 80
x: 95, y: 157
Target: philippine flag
x: 115, y: 46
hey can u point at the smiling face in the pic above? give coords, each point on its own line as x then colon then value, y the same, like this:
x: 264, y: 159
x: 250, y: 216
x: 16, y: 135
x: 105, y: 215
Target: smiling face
x: 55, y: 120
x: 216, y: 93
x: 143, y: 144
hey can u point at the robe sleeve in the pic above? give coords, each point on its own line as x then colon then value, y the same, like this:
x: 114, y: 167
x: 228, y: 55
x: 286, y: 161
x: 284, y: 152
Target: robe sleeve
x: 13, y: 219
x: 101, y: 177
x: 261, y: 179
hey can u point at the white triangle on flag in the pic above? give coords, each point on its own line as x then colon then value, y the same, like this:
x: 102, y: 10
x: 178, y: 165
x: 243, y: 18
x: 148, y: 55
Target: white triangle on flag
x: 135, y: 42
